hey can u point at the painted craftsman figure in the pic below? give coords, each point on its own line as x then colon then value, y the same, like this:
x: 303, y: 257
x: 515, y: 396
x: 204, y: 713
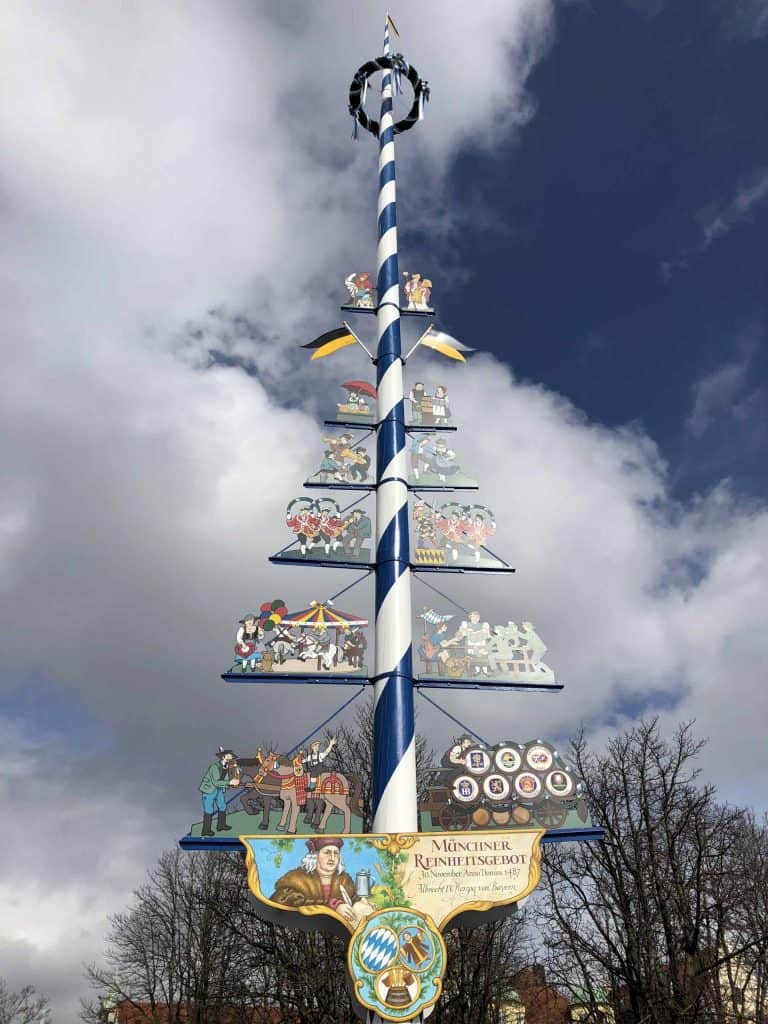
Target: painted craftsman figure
x: 220, y: 776
x: 357, y: 529
x: 321, y: 880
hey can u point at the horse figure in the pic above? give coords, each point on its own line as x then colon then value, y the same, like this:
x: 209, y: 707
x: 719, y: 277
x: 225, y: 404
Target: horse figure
x: 308, y: 648
x: 267, y: 783
x: 276, y: 779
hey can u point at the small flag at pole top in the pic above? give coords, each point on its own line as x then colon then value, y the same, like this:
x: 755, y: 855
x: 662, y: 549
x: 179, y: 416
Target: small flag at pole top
x: 393, y: 26
x: 331, y: 342
x: 444, y: 343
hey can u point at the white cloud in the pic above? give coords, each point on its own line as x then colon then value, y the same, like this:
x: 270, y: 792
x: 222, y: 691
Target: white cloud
x: 716, y: 222
x: 725, y: 394
x: 162, y: 159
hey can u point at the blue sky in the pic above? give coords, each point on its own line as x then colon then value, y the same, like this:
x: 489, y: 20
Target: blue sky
x: 589, y: 192
x: 599, y: 281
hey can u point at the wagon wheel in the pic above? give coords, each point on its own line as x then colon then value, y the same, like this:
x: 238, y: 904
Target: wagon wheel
x: 551, y: 815
x: 454, y: 818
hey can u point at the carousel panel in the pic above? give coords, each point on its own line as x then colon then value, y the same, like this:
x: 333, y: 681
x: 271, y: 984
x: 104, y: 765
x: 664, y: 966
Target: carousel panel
x: 298, y: 794
x: 465, y: 646
x: 506, y: 785
x: 325, y: 533
x: 318, y: 640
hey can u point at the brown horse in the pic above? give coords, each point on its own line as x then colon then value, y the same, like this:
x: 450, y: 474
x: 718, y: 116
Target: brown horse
x: 267, y: 784
x: 275, y: 779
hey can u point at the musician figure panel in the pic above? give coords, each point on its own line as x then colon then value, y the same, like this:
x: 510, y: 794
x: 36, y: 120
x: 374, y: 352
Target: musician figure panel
x: 357, y: 529
x: 249, y: 644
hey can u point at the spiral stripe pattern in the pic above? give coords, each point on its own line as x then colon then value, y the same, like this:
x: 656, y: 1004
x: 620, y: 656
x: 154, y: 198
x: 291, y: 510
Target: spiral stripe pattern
x: 394, y: 767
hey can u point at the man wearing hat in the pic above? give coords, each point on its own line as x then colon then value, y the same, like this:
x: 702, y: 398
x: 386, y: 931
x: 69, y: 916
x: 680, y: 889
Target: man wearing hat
x: 322, y: 881
x: 213, y: 786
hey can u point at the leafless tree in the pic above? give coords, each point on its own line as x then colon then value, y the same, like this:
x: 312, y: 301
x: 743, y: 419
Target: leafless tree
x: 192, y: 941
x: 22, y: 1007
x: 658, y: 912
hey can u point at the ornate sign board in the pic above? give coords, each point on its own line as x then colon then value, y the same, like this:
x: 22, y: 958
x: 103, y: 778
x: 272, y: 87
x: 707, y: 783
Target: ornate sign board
x: 428, y: 408
x: 345, y: 463
x: 456, y: 646
x: 505, y: 785
x: 323, y: 532
x: 452, y: 533
x: 320, y: 639
x: 392, y: 895
x: 416, y: 291
x: 432, y: 463
x: 298, y: 794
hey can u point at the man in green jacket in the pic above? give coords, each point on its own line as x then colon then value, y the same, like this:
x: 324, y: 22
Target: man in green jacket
x: 213, y: 786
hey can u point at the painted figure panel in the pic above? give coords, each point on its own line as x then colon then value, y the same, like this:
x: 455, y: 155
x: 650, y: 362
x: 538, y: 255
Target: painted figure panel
x: 417, y: 293
x: 324, y: 532
x: 298, y: 794
x: 361, y: 289
x: 433, y: 463
x: 505, y: 785
x: 345, y: 461
x: 357, y: 404
x: 318, y: 640
x: 428, y: 409
x: 467, y: 646
x: 452, y: 533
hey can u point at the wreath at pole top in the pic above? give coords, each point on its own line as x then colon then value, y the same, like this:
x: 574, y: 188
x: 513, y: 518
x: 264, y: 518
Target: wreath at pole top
x: 400, y: 68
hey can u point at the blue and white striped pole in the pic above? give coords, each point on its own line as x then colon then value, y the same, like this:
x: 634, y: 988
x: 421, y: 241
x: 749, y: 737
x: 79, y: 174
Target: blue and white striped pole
x: 394, y: 750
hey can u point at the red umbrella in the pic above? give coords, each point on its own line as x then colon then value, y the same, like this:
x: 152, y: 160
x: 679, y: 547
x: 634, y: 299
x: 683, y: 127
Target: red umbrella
x: 361, y: 387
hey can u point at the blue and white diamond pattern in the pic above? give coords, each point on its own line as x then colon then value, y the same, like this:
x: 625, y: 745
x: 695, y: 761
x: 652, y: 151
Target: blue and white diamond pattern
x: 378, y: 949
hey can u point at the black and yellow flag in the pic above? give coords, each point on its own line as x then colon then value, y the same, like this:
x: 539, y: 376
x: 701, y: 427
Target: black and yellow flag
x: 444, y: 343
x: 331, y: 342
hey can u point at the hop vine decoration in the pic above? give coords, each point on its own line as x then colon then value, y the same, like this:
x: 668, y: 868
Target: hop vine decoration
x: 389, y: 891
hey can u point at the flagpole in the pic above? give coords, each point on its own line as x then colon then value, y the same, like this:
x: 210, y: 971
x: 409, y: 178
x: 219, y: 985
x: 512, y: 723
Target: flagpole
x: 394, y: 746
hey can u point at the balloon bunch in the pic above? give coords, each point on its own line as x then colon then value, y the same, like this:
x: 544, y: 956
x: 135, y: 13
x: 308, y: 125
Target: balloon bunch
x: 271, y: 614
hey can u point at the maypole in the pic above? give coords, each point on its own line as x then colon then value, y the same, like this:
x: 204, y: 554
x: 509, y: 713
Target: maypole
x: 394, y: 754
x: 299, y: 814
